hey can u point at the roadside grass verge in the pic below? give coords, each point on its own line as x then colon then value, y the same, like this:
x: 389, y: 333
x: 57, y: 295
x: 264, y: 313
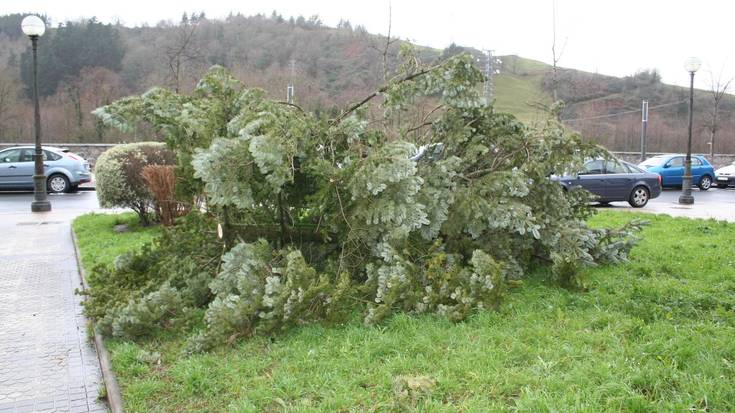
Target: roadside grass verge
x: 655, y: 334
x: 99, y: 243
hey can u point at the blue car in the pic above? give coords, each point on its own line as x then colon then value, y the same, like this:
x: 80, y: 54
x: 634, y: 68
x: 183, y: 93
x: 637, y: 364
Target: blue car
x: 64, y: 171
x: 671, y: 169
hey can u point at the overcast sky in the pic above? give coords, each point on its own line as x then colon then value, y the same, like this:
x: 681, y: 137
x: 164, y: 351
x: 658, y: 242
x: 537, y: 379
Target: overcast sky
x: 616, y: 37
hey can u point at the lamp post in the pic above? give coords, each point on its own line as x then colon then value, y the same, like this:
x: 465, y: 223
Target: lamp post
x: 691, y: 65
x: 34, y: 28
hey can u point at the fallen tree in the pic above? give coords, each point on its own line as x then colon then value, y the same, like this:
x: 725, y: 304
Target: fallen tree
x: 385, y: 207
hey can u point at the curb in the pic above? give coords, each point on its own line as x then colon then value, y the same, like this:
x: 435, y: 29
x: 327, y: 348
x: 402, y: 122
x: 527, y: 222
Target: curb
x: 114, y: 395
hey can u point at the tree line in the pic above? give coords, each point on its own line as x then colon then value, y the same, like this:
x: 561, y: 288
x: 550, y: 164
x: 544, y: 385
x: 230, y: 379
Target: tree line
x: 87, y: 64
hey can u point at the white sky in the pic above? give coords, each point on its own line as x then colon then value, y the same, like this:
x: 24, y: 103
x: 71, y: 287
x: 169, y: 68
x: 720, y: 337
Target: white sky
x: 616, y: 37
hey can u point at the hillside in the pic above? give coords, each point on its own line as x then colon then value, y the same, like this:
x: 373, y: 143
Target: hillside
x: 87, y: 64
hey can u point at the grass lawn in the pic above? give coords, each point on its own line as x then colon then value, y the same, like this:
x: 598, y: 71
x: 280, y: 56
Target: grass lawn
x: 656, y: 334
x: 98, y: 243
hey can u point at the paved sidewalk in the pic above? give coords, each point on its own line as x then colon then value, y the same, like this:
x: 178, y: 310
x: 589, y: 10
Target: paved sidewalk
x: 47, y: 362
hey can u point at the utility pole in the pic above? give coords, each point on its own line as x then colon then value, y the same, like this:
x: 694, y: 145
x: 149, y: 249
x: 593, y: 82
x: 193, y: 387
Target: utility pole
x: 492, y: 65
x: 644, y: 124
x: 290, y: 89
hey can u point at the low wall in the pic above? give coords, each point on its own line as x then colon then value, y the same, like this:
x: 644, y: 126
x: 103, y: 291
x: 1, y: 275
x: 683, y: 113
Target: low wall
x: 89, y: 151
x: 718, y: 161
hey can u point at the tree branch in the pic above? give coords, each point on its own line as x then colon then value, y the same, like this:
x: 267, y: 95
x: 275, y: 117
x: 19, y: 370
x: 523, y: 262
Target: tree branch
x: 369, y: 97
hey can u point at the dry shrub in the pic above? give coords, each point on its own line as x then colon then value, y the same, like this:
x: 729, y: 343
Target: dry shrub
x: 161, y: 181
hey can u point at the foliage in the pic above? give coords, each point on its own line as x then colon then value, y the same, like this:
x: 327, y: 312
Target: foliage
x: 428, y: 218
x: 653, y: 334
x: 262, y: 289
x: 161, y: 182
x: 152, y: 285
x: 64, y: 52
x: 118, y: 173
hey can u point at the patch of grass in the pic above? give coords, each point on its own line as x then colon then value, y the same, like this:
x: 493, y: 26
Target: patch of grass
x: 655, y: 334
x: 516, y: 94
x: 99, y: 243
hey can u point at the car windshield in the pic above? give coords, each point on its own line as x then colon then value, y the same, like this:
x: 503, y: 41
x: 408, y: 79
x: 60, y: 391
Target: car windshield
x: 655, y: 161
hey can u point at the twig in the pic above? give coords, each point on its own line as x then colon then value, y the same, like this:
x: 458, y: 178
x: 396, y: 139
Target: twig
x: 369, y: 97
x: 283, y: 102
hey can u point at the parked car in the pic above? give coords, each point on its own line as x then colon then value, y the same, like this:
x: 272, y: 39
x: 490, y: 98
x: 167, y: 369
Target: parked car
x: 671, y: 169
x: 615, y: 180
x: 64, y: 170
x: 725, y: 176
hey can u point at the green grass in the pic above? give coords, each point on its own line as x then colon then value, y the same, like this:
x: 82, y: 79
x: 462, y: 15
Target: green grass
x: 656, y: 334
x: 517, y: 94
x: 518, y: 88
x: 98, y: 243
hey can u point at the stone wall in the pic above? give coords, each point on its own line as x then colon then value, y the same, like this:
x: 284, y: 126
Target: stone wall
x: 89, y: 151
x: 718, y: 161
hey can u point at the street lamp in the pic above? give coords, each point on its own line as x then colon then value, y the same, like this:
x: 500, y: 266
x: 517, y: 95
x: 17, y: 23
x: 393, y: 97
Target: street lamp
x: 691, y: 65
x: 34, y: 28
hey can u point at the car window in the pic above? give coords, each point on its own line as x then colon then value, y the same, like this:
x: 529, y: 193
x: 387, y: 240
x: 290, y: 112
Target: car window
x: 592, y: 167
x: 676, y: 162
x: 634, y: 169
x: 615, y: 167
x: 696, y: 162
x: 50, y: 156
x: 655, y: 161
x: 12, y: 155
x: 26, y: 155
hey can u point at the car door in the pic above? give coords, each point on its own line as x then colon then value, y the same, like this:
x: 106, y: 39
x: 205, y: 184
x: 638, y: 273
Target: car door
x: 696, y: 170
x: 592, y: 177
x: 9, y: 163
x: 673, y: 171
x: 618, y: 181
x: 26, y: 168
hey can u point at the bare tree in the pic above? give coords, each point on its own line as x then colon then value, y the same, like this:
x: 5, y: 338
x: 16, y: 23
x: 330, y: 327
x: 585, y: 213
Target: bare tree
x: 182, y: 50
x: 9, y: 91
x: 384, y: 50
x: 718, y: 89
x: 556, y: 57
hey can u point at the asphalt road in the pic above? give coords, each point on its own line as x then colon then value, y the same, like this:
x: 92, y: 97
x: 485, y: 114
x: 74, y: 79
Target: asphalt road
x: 70, y: 204
x: 715, y: 203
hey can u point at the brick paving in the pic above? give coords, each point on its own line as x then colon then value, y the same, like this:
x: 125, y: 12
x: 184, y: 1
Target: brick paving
x: 47, y: 362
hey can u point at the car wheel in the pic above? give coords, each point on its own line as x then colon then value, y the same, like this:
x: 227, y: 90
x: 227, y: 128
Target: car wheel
x: 705, y: 183
x: 639, y: 197
x: 57, y: 184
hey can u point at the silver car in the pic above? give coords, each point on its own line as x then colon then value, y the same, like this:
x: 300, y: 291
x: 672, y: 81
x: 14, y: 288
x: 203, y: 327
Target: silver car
x: 64, y: 170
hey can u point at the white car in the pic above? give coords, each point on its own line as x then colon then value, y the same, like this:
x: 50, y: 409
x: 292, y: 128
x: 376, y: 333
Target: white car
x: 725, y: 176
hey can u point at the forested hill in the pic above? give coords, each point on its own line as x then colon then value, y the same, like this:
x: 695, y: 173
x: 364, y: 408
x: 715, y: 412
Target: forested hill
x: 83, y: 65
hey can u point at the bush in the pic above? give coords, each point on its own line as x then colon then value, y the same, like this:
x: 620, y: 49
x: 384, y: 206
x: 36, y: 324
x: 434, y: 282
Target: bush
x: 161, y: 181
x: 119, y: 180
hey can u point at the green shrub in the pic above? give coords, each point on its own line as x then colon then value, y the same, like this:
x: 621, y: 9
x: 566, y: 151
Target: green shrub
x: 118, y: 175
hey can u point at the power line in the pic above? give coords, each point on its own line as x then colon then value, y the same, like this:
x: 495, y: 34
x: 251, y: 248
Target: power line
x: 624, y: 113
